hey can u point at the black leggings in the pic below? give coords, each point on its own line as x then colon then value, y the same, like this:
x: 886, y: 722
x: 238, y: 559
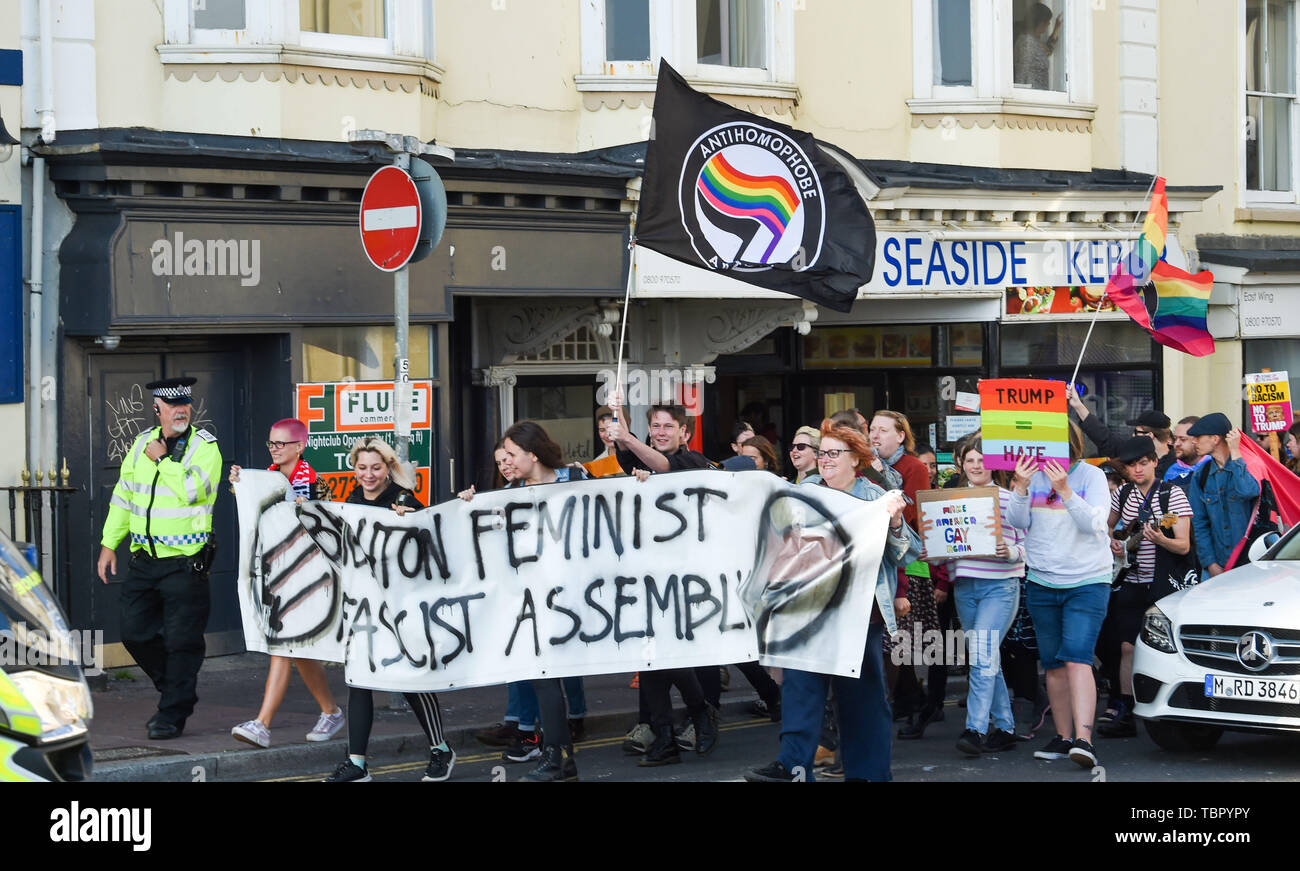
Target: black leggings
x: 361, y: 714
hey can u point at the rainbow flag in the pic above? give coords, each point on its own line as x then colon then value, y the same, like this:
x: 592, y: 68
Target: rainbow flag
x: 1179, y: 321
x: 769, y: 199
x: 1134, y: 271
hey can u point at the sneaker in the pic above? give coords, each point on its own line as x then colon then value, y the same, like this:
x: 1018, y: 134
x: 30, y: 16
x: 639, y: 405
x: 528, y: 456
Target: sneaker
x: 834, y: 772
x: 556, y: 766
x: 916, y: 728
x: 348, y: 772
x: 638, y: 739
x: 685, y: 735
x: 498, y: 735
x: 252, y: 732
x: 1122, y: 726
x: 971, y: 743
x: 774, y: 773
x: 825, y: 757
x: 441, y: 762
x: 999, y: 740
x: 526, y: 746
x: 1057, y: 748
x: 326, y: 727
x: 1082, y: 754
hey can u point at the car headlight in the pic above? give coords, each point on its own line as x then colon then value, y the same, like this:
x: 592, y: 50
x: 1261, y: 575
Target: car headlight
x: 63, y: 706
x: 1157, y: 631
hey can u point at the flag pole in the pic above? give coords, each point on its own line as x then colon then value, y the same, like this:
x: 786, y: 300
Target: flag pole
x: 1097, y: 311
x: 620, y: 373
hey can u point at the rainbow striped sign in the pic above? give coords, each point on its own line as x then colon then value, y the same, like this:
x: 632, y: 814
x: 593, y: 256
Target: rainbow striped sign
x: 1024, y: 417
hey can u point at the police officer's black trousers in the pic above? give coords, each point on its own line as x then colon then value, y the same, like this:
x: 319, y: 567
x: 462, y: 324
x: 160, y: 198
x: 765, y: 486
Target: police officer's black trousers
x: 164, y: 612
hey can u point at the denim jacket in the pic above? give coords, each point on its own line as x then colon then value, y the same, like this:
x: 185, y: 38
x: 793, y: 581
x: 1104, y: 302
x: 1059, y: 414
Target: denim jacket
x: 901, y: 548
x: 1221, y: 509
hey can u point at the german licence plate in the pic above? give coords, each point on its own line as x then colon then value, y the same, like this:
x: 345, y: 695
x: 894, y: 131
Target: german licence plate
x: 1255, y: 689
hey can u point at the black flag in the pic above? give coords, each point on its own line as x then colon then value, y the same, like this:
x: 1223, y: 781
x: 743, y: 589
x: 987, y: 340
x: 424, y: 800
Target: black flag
x: 755, y: 200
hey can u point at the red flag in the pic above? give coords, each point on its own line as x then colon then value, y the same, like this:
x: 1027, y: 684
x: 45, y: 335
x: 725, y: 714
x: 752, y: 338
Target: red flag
x: 1285, y: 483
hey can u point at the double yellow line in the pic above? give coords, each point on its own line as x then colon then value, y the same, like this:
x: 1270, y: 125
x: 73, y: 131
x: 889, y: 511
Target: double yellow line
x: 400, y: 767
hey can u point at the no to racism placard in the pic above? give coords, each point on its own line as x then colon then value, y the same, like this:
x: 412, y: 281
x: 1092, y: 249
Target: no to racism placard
x: 955, y: 522
x: 1024, y: 417
x: 1269, y: 395
x: 589, y: 577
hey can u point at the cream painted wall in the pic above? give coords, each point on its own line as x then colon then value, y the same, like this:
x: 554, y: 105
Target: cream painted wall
x: 1106, y: 149
x: 991, y: 146
x: 128, y: 72
x: 853, y: 64
x: 1200, y: 385
x: 13, y: 448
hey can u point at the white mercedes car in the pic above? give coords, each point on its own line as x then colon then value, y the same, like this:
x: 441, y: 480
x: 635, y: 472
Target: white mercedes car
x: 1224, y: 654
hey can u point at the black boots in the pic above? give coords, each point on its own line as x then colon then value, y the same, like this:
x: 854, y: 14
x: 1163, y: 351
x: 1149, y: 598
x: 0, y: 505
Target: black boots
x: 706, y: 729
x: 663, y: 750
x: 555, y: 766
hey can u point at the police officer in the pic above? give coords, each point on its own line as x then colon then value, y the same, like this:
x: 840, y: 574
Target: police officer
x: 164, y: 499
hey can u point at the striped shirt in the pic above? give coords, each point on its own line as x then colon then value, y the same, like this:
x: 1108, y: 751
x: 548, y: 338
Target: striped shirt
x: 990, y: 568
x: 1146, y: 554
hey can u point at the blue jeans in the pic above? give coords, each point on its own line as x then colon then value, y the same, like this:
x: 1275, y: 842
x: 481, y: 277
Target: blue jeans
x: 521, y: 702
x: 987, y: 608
x: 866, y: 723
x: 1067, y: 621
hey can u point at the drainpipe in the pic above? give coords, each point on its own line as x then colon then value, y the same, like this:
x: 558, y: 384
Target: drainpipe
x: 36, y: 343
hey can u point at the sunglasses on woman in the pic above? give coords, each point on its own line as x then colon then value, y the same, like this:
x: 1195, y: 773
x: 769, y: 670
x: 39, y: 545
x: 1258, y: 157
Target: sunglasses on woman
x: 799, y: 447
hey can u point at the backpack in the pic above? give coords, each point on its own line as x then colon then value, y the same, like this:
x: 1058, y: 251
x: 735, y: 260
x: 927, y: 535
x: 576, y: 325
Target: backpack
x: 1174, y: 572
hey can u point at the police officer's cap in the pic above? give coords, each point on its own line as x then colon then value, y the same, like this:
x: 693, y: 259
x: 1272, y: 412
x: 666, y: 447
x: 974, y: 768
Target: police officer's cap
x: 173, y: 391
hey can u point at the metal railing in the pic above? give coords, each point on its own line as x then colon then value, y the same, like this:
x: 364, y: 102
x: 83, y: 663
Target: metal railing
x: 44, y: 513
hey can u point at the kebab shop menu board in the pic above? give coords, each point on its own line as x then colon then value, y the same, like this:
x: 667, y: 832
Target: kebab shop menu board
x: 1024, y: 417
x: 1269, y: 394
x: 867, y: 346
x: 959, y: 522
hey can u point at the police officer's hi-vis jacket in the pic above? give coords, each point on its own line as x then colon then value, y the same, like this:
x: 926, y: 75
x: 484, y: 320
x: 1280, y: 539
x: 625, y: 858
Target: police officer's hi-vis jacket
x: 166, y: 506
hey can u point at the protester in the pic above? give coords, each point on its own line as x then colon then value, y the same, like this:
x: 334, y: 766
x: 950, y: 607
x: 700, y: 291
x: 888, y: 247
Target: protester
x: 987, y: 592
x: 741, y: 432
x: 1155, y: 426
x: 930, y: 460
x: 880, y: 474
x: 1151, y: 517
x: 383, y: 483
x: 892, y: 440
x: 760, y: 450
x: 803, y: 452
x: 669, y: 432
x: 1184, y: 451
x: 1292, y: 446
x: 1222, y: 493
x: 864, y: 715
x: 286, y: 442
x: 1068, y: 561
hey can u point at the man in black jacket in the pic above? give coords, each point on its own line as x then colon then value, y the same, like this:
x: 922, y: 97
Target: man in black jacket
x: 1151, y: 424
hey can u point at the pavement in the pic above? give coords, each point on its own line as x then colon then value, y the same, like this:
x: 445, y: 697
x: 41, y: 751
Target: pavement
x: 230, y: 692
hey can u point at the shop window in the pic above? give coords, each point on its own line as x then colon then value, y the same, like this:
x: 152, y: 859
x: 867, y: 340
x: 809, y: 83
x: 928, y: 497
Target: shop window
x: 865, y: 347
x: 361, y: 353
x: 1038, y: 48
x: 1119, y: 343
x: 566, y: 412
x: 1270, y: 49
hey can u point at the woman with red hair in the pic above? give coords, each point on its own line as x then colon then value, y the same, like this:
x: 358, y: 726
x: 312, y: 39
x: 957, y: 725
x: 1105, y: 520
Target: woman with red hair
x: 865, y: 718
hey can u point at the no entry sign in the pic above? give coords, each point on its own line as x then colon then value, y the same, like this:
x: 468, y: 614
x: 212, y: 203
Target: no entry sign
x: 390, y: 218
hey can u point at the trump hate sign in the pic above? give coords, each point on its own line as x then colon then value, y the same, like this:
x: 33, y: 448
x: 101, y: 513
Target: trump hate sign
x: 1023, y: 417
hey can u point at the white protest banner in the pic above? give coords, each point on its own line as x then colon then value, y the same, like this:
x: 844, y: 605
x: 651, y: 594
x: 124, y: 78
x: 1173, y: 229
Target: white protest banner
x: 589, y: 577
x: 956, y: 522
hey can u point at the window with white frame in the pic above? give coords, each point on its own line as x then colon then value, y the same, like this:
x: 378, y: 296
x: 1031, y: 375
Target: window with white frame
x: 1270, y: 98
x: 397, y: 34
x: 1002, y: 55
x: 748, y: 43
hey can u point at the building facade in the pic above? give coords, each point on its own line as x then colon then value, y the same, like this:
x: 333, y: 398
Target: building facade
x: 1007, y: 163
